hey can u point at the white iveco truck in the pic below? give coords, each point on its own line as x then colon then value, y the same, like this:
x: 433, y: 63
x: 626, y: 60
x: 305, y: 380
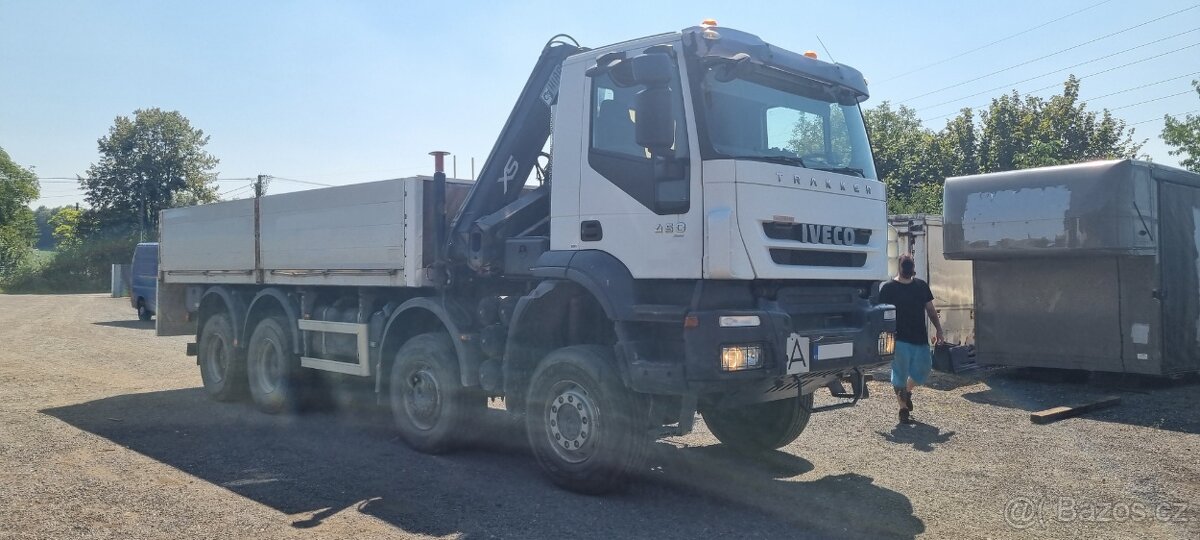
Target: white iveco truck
x: 704, y: 235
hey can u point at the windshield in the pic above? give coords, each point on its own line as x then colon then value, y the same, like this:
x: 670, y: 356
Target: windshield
x: 785, y: 119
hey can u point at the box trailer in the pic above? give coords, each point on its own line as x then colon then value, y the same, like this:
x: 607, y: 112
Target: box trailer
x: 1093, y: 266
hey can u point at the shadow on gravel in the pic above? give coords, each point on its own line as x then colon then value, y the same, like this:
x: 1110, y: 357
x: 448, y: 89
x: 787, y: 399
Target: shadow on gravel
x: 314, y: 466
x: 920, y: 435
x: 1158, y: 403
x: 135, y: 324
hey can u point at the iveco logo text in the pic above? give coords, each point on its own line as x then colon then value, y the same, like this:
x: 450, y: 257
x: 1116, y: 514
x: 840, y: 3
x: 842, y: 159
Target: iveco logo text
x: 830, y: 186
x: 825, y: 234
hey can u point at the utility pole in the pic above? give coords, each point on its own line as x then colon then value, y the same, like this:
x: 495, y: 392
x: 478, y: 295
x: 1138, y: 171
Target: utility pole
x: 259, y: 191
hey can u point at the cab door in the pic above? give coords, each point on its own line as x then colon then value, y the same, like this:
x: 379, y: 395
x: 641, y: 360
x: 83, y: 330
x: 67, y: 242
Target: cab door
x: 644, y: 211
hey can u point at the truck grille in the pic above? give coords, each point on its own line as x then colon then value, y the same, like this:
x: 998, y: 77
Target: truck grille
x: 805, y: 257
x: 776, y: 230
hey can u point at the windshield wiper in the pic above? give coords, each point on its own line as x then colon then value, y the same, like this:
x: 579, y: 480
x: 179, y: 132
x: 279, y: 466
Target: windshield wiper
x: 842, y: 170
x: 783, y: 160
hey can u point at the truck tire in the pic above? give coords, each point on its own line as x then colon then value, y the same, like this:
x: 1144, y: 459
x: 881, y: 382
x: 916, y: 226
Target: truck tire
x: 761, y: 426
x: 588, y: 432
x: 144, y: 314
x: 433, y: 411
x: 277, y: 382
x: 221, y: 367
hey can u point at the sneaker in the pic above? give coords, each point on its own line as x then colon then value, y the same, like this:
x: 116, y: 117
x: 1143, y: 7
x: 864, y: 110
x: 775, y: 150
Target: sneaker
x: 904, y: 417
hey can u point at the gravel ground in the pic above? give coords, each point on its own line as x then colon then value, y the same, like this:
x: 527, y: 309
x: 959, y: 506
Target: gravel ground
x: 105, y: 433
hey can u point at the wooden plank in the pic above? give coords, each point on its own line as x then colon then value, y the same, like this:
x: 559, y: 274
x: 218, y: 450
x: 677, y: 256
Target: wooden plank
x: 1058, y: 413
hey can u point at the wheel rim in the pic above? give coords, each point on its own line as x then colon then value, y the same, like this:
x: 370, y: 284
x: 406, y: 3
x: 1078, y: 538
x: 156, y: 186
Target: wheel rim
x: 269, y: 367
x: 423, y: 397
x: 216, y: 358
x: 570, y: 419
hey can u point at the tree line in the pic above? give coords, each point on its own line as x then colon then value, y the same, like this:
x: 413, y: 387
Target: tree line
x: 1013, y: 132
x: 148, y: 162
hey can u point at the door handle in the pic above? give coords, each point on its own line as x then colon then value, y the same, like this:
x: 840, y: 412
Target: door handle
x: 590, y: 231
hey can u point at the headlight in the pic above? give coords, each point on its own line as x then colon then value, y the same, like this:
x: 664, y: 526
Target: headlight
x: 736, y: 321
x: 887, y: 343
x: 741, y: 357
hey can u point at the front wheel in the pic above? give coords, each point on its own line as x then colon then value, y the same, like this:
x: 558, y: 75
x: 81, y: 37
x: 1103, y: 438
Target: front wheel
x: 433, y: 411
x: 761, y: 426
x: 588, y: 432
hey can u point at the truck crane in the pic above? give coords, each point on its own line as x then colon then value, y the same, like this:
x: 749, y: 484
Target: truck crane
x: 683, y: 223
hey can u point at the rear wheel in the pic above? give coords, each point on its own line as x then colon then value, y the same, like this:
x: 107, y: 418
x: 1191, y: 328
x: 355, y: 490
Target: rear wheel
x: 761, y: 426
x: 433, y: 411
x: 277, y: 382
x: 221, y: 367
x: 587, y: 431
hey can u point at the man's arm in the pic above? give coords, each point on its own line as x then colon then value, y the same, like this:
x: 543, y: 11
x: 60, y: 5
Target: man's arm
x: 937, y: 321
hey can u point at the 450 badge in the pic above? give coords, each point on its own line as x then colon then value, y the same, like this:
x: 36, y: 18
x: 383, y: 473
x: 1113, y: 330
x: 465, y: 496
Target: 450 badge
x: 674, y: 229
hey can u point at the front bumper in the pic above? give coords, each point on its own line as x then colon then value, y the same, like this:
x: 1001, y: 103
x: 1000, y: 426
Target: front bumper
x: 845, y: 348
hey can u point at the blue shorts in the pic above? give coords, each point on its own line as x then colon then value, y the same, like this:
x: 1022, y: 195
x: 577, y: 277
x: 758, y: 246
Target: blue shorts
x: 912, y: 361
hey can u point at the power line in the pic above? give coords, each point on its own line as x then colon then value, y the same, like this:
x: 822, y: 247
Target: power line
x: 1084, y: 63
x: 1058, y: 52
x: 1151, y: 100
x: 1185, y: 113
x: 309, y: 182
x: 1142, y: 86
x: 234, y: 190
x: 1007, y: 86
x: 981, y: 47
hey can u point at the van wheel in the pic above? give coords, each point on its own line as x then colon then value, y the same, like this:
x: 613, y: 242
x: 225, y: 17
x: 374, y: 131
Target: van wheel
x: 221, y: 367
x: 143, y: 313
x: 588, y: 432
x: 761, y: 426
x: 433, y: 411
x: 277, y: 382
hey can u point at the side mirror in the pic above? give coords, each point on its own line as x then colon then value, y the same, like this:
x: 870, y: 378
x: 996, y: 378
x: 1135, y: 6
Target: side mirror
x: 655, y: 115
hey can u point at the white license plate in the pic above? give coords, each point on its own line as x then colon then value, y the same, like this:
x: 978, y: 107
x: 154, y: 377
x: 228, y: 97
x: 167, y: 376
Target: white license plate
x: 798, y: 354
x: 835, y: 350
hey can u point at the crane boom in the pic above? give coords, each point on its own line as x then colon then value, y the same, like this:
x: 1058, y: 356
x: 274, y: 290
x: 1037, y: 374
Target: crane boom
x: 501, y: 179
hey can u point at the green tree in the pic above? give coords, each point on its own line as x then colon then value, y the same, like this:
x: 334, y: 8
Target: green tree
x: 1184, y: 137
x: 42, y: 217
x: 145, y: 163
x: 18, y: 228
x: 1013, y: 132
x: 66, y: 228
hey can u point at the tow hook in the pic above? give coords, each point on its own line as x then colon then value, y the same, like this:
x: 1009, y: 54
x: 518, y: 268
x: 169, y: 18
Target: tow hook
x: 858, y: 390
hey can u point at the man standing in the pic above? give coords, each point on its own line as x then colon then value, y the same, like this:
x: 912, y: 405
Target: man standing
x: 912, y: 361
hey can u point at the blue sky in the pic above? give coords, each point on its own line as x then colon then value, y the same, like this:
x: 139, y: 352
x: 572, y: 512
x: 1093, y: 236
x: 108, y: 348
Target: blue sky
x: 352, y: 91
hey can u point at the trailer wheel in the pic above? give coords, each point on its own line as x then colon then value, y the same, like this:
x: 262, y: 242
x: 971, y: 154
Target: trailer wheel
x: 144, y: 314
x: 587, y: 431
x: 221, y: 368
x: 277, y: 382
x: 432, y: 409
x: 761, y: 426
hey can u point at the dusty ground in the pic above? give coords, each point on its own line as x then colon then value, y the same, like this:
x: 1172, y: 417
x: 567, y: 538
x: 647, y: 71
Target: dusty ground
x: 104, y: 433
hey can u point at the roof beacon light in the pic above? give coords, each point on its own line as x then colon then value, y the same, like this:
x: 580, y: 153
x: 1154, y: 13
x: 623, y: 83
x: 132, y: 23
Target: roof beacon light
x: 709, y: 26
x: 811, y: 54
x: 708, y: 23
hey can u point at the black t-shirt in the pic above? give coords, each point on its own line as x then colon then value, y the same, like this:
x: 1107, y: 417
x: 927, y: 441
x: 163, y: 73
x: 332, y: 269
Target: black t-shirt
x: 909, y: 299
